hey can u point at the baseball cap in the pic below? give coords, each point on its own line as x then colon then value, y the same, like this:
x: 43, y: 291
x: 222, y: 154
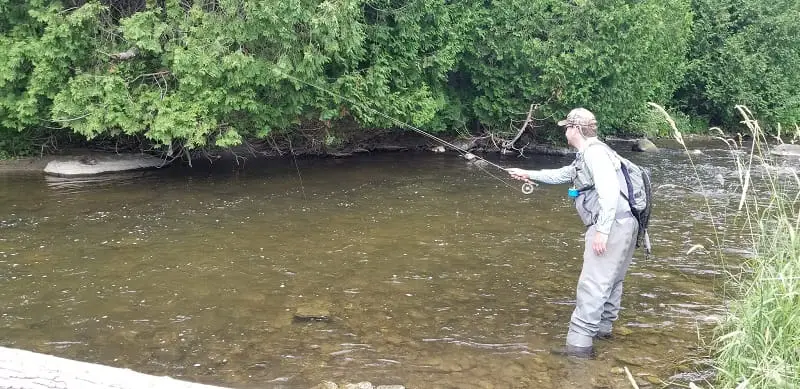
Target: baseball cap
x: 579, y: 117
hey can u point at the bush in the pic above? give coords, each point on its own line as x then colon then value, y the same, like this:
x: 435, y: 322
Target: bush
x: 212, y: 73
x: 651, y: 124
x: 745, y: 53
x: 14, y: 144
x: 610, y: 57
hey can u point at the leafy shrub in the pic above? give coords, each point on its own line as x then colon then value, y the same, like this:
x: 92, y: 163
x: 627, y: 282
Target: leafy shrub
x: 652, y: 125
x: 744, y: 52
x: 610, y: 57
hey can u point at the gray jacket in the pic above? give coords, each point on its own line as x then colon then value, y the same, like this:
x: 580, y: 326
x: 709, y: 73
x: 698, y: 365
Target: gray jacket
x: 596, y: 172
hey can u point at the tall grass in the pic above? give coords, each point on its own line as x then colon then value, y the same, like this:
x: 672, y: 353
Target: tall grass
x: 757, y: 344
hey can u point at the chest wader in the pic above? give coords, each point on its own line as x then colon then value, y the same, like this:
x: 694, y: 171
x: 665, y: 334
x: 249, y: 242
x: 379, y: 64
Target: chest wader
x: 599, y: 290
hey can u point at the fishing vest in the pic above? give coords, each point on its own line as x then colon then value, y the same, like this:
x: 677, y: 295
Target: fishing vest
x: 588, y: 201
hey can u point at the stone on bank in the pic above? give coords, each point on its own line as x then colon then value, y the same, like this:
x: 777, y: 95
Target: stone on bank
x: 360, y: 385
x: 644, y: 145
x: 100, y: 164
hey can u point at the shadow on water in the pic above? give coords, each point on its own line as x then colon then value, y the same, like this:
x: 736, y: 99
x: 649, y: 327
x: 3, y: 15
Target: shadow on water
x: 429, y: 273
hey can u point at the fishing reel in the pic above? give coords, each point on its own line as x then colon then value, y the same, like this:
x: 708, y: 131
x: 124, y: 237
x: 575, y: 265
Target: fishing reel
x: 527, y: 187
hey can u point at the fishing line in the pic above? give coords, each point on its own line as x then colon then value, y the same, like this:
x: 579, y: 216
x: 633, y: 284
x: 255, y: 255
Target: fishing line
x: 527, y: 187
x: 297, y: 167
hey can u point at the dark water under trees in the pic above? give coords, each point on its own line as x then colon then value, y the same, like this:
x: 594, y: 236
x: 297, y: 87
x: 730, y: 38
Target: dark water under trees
x: 434, y: 274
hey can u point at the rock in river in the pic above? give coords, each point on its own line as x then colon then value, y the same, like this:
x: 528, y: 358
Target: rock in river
x: 644, y: 145
x: 313, y: 311
x: 99, y: 164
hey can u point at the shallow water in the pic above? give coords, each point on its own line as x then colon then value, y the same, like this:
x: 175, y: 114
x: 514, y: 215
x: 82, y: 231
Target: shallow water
x: 433, y: 273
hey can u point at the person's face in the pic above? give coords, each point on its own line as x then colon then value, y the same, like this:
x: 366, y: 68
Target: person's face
x: 572, y: 133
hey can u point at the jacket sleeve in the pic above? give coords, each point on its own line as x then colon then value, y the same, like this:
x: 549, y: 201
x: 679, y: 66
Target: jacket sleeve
x: 553, y: 176
x: 604, y: 174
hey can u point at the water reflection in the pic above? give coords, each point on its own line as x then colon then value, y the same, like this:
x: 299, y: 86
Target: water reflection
x: 72, y: 185
x: 433, y: 274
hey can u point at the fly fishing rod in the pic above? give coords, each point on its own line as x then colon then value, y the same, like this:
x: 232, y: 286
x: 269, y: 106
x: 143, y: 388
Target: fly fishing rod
x: 527, y: 186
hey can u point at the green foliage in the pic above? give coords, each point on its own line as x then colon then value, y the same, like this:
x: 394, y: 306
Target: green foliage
x: 610, y: 57
x: 745, y: 52
x: 212, y: 73
x: 14, y: 144
x: 200, y: 74
x: 652, y: 125
x: 758, y: 344
x: 43, y: 53
x: 409, y: 50
x: 144, y: 30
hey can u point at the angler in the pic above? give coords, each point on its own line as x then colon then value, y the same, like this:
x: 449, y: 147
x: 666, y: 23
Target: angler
x: 603, y: 199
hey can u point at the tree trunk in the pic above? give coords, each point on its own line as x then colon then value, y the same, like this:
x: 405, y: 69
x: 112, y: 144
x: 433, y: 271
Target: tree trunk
x: 20, y: 369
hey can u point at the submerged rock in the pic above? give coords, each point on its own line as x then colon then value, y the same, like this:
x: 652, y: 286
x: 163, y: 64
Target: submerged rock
x: 93, y: 165
x: 326, y: 385
x: 693, y: 376
x: 360, y: 385
x: 629, y: 360
x: 313, y: 311
x: 624, y: 331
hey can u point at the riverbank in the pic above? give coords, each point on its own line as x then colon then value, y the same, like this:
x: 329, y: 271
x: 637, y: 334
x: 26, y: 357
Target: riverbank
x: 25, y: 164
x: 481, y: 146
x: 757, y: 344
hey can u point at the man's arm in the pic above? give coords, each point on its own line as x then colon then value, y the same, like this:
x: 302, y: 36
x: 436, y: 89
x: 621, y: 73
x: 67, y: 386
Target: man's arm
x: 548, y: 176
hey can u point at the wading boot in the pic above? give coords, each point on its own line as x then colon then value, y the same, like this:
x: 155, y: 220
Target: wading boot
x: 575, y: 351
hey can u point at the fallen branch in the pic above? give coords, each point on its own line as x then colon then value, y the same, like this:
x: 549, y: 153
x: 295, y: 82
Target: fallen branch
x: 630, y: 378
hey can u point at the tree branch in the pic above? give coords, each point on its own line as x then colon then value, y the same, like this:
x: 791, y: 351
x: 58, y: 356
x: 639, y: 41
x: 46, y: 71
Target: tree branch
x: 125, y: 55
x: 510, y: 144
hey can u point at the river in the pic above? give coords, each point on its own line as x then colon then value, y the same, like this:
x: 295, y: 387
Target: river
x: 432, y: 272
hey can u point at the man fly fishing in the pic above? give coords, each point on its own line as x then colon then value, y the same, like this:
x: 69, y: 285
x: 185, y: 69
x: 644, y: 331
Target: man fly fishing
x: 598, y: 188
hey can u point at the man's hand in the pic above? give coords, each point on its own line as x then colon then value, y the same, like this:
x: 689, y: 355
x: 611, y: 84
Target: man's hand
x: 519, y: 174
x: 599, y: 244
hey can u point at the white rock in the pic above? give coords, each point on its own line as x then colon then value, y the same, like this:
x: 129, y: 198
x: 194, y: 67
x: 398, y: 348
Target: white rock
x: 87, y: 166
x: 360, y: 385
x: 326, y: 385
x: 644, y: 145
